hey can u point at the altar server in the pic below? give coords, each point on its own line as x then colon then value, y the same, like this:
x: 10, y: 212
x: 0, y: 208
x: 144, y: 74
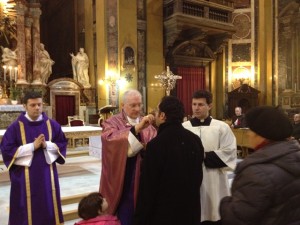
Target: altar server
x: 31, y: 147
x: 220, y: 155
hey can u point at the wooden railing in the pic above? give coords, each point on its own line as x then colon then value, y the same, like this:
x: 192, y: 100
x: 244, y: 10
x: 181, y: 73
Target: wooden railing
x: 203, y: 9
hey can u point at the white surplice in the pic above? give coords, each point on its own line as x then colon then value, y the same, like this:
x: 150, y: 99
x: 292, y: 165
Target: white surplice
x: 219, y: 138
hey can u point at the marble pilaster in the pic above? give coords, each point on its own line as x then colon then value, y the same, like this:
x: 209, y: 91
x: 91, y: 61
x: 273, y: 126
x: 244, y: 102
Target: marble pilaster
x: 28, y: 48
x: 20, y: 10
x: 36, y: 13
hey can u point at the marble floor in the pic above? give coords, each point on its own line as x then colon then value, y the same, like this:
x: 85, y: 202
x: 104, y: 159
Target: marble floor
x: 79, y: 175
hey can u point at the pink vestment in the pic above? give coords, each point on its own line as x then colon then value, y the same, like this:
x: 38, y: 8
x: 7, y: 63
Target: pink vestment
x: 114, y: 155
x: 100, y: 220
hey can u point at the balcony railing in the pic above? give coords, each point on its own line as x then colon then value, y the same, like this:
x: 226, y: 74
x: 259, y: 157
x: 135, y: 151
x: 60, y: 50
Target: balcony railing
x: 201, y: 9
x: 192, y: 9
x: 219, y: 15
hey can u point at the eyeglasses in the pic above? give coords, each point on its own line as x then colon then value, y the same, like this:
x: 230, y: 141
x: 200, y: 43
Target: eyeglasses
x: 139, y: 105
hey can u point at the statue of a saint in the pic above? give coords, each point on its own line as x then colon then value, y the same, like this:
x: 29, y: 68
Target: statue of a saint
x: 80, y: 66
x: 9, y: 57
x: 45, y: 63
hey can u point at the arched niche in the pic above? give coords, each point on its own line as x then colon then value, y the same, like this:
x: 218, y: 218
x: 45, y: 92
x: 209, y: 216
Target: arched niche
x: 64, y: 90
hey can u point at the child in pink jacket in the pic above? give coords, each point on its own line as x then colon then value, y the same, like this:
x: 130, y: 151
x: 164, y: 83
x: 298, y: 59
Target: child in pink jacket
x: 92, y: 210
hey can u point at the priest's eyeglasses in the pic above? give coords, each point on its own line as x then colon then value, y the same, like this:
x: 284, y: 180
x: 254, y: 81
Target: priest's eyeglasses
x: 139, y: 105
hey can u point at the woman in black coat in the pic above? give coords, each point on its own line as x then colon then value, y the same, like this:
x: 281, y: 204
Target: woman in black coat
x: 266, y: 188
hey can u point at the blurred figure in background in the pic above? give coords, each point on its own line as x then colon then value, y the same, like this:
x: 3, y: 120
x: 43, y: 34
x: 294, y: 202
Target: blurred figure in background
x: 296, y: 127
x: 238, y: 121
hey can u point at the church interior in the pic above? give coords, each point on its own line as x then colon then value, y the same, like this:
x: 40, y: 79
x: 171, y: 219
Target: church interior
x: 246, y: 52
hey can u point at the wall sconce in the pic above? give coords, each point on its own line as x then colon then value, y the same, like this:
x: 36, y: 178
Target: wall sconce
x: 113, y: 83
x: 241, y: 75
x: 112, y: 78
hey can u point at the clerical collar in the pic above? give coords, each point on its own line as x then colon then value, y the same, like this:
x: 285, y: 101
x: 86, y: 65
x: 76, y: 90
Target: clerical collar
x: 31, y: 120
x: 203, y: 122
x: 133, y: 121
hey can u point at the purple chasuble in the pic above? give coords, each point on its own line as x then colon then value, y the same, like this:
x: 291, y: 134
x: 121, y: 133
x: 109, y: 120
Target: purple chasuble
x: 35, y: 193
x: 120, y: 174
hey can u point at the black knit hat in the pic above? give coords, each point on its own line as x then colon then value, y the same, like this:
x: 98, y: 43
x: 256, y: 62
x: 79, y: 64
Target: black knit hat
x: 269, y: 122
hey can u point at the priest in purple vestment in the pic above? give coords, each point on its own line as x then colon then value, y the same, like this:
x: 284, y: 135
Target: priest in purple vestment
x: 124, y: 137
x: 30, y: 147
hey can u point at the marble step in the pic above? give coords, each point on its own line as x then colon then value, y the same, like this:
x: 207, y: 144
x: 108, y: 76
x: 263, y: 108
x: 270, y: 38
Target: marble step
x: 78, y: 177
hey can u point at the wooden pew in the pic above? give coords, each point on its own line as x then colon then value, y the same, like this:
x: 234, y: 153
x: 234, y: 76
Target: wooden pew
x: 242, y: 140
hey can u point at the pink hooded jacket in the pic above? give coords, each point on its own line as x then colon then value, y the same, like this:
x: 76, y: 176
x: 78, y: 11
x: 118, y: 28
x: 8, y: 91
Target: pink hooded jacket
x: 100, y: 220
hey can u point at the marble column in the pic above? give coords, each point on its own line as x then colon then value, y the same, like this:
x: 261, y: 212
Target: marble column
x: 20, y: 11
x: 36, y: 13
x: 28, y: 48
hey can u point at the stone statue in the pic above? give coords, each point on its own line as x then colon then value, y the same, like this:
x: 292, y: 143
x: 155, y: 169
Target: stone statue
x: 9, y: 57
x: 80, y: 66
x: 45, y: 63
x: 10, y: 62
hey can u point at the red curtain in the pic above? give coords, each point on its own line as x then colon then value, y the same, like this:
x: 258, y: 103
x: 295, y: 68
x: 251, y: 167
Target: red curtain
x: 193, y: 79
x: 65, y: 106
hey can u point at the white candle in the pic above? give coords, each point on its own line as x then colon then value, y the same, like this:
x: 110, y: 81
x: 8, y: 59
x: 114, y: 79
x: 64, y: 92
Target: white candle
x: 4, y: 75
x: 16, y: 73
x: 10, y: 75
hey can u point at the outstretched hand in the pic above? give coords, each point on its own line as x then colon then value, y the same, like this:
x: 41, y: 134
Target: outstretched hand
x: 144, y: 123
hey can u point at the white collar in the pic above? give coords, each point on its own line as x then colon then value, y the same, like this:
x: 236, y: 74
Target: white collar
x: 38, y: 119
x: 133, y: 121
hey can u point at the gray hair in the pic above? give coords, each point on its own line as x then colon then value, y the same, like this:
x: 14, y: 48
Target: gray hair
x: 130, y: 92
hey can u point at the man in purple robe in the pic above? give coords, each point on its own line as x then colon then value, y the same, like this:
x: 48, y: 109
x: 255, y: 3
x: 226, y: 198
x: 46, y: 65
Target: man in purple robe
x: 123, y: 139
x: 30, y: 147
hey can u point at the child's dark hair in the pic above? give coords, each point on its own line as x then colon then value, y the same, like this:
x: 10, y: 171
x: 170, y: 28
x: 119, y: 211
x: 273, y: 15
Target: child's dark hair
x: 90, y: 205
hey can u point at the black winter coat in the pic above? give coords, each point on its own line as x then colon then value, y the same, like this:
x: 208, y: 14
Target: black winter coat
x: 266, y: 188
x: 171, y: 175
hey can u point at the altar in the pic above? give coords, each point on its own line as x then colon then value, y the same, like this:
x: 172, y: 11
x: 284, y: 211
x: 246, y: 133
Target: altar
x: 8, y: 114
x: 81, y: 133
x: 73, y: 133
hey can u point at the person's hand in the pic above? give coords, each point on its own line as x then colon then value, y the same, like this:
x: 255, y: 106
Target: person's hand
x: 40, y: 142
x: 145, y: 122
